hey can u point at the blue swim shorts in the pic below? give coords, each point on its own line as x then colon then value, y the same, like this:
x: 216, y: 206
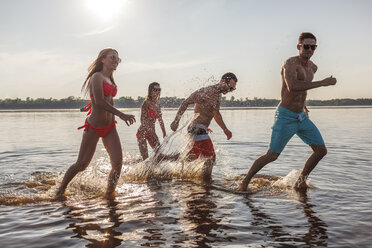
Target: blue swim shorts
x: 287, y: 123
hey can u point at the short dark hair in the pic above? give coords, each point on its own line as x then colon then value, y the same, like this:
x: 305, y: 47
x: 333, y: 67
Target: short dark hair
x: 306, y: 35
x: 230, y: 75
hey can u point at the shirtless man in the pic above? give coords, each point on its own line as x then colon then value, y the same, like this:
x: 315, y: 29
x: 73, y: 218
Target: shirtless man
x: 297, y: 75
x: 207, y: 102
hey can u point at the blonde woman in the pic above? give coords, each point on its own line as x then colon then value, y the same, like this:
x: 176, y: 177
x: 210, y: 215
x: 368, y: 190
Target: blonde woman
x: 100, y: 123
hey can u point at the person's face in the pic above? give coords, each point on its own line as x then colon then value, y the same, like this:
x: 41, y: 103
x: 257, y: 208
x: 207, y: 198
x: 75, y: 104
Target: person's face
x: 306, y: 48
x: 111, y: 60
x: 155, y: 92
x: 228, y: 85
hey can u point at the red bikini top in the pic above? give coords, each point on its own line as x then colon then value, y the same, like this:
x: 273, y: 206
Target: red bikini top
x: 108, y: 89
x: 152, y: 114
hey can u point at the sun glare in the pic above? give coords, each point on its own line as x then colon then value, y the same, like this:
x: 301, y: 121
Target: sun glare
x: 105, y: 9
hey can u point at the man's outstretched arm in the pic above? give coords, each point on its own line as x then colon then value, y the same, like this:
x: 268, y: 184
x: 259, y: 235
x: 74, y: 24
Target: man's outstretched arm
x: 221, y: 123
x: 293, y: 84
x: 190, y: 100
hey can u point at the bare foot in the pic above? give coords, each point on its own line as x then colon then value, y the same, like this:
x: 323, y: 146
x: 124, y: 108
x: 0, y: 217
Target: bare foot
x: 59, y: 197
x: 242, y: 186
x: 207, y: 178
x: 302, y: 196
x: 300, y: 185
x: 110, y: 195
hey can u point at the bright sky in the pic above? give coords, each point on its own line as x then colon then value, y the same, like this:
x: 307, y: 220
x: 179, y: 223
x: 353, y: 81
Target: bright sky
x: 47, y: 46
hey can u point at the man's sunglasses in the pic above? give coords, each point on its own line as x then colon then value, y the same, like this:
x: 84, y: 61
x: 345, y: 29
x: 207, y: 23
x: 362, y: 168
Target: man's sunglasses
x: 156, y: 89
x: 307, y: 47
x: 227, y: 81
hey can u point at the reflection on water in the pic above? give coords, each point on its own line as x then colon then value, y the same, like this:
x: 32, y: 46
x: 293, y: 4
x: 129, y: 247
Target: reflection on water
x: 186, y: 214
x: 281, y: 233
x: 317, y: 234
x: 95, y: 221
x: 157, y: 216
x: 199, y: 213
x: 160, y: 213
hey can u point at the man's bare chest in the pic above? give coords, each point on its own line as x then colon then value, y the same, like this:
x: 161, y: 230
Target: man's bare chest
x: 208, y: 105
x: 304, y: 74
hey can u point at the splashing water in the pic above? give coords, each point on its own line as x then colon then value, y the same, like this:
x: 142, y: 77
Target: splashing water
x: 92, y: 182
x: 289, y: 180
x: 266, y: 184
x: 166, y: 162
x: 19, y: 193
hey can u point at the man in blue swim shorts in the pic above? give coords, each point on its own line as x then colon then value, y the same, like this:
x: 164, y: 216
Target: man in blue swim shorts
x: 292, y: 115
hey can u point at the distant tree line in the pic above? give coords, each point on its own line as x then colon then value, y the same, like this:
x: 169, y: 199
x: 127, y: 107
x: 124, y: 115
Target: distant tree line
x: 166, y: 102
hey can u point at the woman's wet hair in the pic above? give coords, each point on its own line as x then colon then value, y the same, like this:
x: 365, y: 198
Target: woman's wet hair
x: 305, y: 35
x: 151, y: 86
x: 97, y: 66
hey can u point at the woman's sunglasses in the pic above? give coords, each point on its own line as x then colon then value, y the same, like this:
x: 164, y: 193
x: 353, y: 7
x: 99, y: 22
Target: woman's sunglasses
x: 307, y: 47
x: 114, y: 58
x: 156, y: 89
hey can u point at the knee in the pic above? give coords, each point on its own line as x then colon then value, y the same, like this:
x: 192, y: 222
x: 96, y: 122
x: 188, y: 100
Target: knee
x: 271, y: 156
x: 81, y: 166
x: 141, y: 142
x: 117, y: 164
x: 321, y: 151
x: 210, y: 161
x: 153, y: 143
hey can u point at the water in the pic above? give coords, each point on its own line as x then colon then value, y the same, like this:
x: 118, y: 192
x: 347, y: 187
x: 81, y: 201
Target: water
x: 37, y: 147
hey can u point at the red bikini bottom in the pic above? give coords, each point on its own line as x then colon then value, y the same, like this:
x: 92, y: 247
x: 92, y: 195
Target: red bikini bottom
x: 143, y: 133
x: 100, y: 131
x: 147, y: 135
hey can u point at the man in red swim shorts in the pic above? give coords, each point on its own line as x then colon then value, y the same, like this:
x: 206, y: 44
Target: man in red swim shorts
x: 207, y: 102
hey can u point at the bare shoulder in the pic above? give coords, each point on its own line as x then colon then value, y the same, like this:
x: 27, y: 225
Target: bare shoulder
x: 97, y: 77
x: 291, y: 62
x: 290, y: 66
x: 203, y: 89
x: 199, y: 95
x: 208, y: 90
x: 200, y: 92
x: 313, y: 66
x: 145, y: 103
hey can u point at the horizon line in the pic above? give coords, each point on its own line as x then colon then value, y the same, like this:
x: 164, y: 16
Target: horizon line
x: 234, y: 98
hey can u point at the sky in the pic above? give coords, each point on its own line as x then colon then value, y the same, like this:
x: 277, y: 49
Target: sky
x: 47, y: 46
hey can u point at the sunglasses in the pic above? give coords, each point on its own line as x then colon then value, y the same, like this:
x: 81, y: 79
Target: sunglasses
x: 156, y: 89
x: 307, y: 47
x: 114, y: 58
x: 227, y: 81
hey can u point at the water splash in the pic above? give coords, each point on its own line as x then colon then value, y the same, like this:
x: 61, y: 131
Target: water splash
x: 92, y: 182
x: 289, y: 180
x: 20, y: 193
x: 266, y: 184
x: 168, y: 161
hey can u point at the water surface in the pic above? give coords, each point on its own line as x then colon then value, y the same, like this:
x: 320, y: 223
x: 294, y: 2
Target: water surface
x: 175, y: 211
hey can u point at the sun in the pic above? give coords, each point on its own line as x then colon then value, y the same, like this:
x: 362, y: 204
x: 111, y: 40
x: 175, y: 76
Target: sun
x: 105, y: 9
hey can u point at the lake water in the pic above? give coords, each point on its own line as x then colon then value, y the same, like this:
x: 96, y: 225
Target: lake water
x: 169, y: 210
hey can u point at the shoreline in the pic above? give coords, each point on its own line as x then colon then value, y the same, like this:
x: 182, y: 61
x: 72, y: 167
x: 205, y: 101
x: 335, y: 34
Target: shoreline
x: 174, y: 109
